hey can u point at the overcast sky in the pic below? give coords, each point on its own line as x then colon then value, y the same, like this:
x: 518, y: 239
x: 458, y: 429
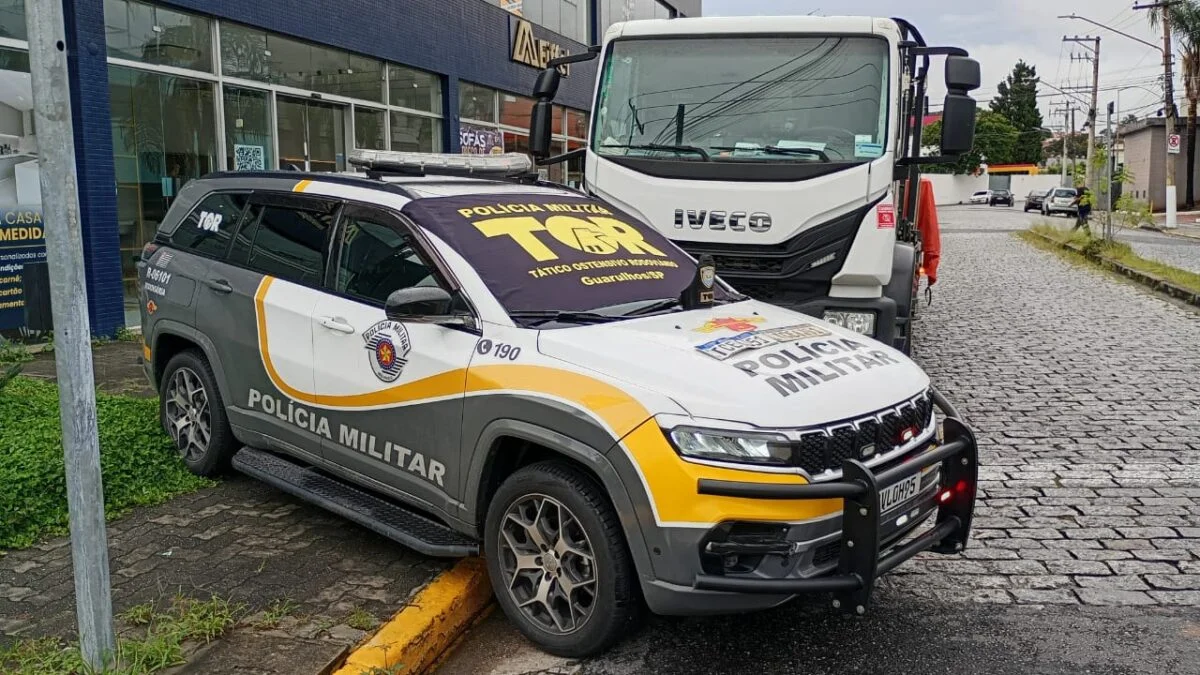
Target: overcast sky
x: 1000, y: 32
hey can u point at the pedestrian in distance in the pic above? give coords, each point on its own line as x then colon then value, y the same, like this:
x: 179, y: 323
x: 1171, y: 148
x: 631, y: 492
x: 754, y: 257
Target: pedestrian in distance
x: 1083, y: 209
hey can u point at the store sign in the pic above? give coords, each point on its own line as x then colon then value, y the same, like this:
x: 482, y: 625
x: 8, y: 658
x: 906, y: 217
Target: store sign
x: 480, y: 140
x: 22, y: 242
x: 530, y: 50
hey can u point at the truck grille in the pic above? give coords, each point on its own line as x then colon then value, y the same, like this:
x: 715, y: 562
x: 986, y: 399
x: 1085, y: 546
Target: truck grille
x: 826, y: 449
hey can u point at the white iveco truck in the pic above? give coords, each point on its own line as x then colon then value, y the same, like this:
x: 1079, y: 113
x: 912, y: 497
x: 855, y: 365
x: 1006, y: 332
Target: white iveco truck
x: 780, y: 146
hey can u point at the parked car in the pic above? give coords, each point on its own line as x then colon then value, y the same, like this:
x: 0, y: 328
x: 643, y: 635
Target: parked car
x: 1060, y: 200
x: 1002, y: 197
x: 980, y: 197
x: 442, y: 351
x: 1034, y: 200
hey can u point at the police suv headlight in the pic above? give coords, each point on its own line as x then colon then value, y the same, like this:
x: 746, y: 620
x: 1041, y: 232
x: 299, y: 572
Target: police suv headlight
x: 859, y: 322
x: 731, y: 446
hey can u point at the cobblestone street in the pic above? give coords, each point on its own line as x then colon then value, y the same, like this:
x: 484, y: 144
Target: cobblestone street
x: 1181, y: 252
x: 1084, y: 392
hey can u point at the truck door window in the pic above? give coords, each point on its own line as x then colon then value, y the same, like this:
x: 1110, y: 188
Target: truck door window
x: 377, y: 256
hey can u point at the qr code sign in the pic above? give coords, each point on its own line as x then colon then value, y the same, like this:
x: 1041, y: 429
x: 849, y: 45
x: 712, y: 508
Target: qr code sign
x: 249, y: 158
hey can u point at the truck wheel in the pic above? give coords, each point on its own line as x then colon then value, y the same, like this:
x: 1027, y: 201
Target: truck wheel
x: 558, y: 561
x: 193, y: 414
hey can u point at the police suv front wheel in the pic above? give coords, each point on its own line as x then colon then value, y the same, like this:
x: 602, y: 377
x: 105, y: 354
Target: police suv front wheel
x: 193, y: 414
x: 558, y: 560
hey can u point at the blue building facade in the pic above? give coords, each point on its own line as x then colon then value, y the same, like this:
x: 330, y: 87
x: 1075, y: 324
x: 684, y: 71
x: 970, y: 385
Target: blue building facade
x: 164, y: 92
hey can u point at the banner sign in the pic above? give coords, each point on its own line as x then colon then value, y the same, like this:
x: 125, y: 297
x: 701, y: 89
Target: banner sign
x: 540, y: 251
x: 22, y: 241
x: 480, y: 140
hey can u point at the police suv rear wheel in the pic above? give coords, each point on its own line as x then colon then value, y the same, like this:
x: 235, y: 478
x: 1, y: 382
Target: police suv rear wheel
x: 193, y: 414
x: 558, y: 560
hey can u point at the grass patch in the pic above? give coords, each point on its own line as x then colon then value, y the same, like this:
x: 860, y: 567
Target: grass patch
x: 271, y: 616
x: 1115, y: 251
x: 361, y: 619
x: 139, y: 463
x: 159, y: 643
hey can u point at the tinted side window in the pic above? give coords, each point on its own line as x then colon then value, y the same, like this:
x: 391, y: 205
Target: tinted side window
x: 288, y: 242
x: 209, y: 227
x: 377, y: 256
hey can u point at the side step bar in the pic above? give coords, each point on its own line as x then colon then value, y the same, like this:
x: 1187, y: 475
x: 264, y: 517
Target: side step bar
x: 401, y: 525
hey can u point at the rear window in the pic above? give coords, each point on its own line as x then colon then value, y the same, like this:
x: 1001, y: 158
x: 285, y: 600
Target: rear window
x: 209, y: 227
x: 286, y: 241
x: 1064, y: 192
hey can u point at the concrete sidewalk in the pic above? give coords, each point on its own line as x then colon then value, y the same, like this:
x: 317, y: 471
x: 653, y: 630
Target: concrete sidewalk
x: 241, y: 541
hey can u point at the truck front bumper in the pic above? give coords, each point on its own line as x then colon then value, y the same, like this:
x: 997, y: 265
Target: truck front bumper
x: 866, y: 550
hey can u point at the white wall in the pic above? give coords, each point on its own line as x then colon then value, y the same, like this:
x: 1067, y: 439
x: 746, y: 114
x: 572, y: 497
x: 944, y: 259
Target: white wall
x: 951, y: 189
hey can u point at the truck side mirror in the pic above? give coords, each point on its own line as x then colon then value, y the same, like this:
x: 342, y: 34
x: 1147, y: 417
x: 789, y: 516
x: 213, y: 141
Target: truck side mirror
x: 546, y: 85
x: 958, y: 112
x: 541, y: 124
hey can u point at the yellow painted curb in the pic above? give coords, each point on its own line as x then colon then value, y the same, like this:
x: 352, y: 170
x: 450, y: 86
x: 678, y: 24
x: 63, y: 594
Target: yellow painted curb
x: 419, y: 633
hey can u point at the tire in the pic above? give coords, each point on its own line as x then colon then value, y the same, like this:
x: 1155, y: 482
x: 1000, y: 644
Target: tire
x: 184, y: 415
x: 614, y: 606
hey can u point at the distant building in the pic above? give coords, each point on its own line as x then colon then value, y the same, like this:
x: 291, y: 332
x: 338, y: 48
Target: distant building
x: 1144, y: 146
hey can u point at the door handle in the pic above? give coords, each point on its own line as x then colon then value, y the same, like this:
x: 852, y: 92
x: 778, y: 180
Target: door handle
x: 219, y: 285
x: 338, y: 324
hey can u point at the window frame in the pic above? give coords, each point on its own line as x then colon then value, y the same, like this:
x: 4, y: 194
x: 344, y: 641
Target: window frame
x: 421, y: 246
x: 279, y: 199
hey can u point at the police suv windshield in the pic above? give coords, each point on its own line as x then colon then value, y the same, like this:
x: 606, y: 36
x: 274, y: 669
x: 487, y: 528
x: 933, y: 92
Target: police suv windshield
x: 777, y: 99
x: 548, y: 253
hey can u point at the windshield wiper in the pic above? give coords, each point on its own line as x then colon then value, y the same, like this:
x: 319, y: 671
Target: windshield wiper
x: 679, y: 149
x: 540, y: 316
x: 776, y: 150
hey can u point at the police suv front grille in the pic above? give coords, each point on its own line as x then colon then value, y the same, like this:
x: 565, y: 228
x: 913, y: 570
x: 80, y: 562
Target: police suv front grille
x: 864, y: 439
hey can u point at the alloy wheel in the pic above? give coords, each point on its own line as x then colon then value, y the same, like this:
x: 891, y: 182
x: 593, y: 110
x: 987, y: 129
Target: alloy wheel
x: 187, y: 413
x: 548, y: 564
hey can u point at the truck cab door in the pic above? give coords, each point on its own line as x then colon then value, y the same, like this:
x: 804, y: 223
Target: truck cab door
x: 394, y: 390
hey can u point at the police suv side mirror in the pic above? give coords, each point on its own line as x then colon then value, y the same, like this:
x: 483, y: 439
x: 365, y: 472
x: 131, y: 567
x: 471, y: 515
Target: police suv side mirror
x: 423, y: 304
x: 958, y: 112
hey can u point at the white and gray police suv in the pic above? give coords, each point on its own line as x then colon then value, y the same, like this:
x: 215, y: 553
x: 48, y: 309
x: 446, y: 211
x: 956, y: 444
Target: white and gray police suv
x: 467, y: 360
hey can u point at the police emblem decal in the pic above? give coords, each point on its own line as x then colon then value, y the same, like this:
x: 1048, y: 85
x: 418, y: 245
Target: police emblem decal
x: 387, y: 346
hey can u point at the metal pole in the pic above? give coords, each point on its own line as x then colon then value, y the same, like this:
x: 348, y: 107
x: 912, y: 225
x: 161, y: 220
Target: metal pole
x: 1108, y: 177
x: 1066, y: 138
x: 72, y: 334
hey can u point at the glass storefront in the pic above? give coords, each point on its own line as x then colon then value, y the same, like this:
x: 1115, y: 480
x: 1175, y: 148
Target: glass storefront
x: 248, y: 107
x: 164, y: 134
x: 12, y: 19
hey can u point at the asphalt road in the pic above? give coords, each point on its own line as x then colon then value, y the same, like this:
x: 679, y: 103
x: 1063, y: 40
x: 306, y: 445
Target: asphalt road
x: 1084, y: 391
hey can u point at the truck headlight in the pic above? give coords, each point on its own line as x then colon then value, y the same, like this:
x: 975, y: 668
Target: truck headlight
x: 859, y: 322
x: 732, y: 446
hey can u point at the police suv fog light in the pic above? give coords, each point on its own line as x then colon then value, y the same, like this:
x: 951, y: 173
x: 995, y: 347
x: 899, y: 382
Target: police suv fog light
x: 859, y: 322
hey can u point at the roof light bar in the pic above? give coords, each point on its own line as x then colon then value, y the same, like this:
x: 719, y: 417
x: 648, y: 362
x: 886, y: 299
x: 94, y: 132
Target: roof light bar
x: 506, y: 165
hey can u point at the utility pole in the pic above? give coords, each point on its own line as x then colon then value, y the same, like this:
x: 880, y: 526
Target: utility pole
x: 1065, y: 109
x: 1108, y: 172
x: 1089, y: 173
x: 72, y: 334
x: 1168, y: 102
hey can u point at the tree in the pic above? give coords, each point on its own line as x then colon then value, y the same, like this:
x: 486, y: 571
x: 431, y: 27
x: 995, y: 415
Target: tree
x: 1076, y: 146
x: 1016, y: 100
x: 1185, y: 24
x: 1129, y: 119
x: 995, y: 143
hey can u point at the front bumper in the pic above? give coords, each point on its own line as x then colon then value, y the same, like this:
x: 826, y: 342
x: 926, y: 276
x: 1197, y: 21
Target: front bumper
x: 866, y: 552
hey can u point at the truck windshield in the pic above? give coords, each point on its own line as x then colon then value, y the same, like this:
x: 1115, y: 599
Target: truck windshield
x: 777, y: 99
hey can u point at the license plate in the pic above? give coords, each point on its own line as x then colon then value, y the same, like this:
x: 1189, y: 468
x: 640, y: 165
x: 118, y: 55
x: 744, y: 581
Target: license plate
x: 896, y: 494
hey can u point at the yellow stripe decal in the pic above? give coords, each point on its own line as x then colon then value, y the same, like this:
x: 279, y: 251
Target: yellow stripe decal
x: 302, y: 186
x: 145, y: 351
x: 671, y: 481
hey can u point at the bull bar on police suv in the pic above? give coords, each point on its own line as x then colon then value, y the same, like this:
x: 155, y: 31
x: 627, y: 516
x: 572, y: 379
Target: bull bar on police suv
x: 859, y: 563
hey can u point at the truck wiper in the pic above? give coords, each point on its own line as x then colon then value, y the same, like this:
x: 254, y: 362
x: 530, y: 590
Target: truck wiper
x: 776, y: 150
x: 539, y: 316
x: 680, y: 149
